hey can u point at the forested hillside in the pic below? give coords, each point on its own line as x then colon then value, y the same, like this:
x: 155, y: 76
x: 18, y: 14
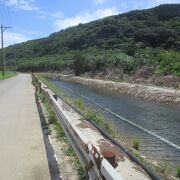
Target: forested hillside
x: 130, y: 41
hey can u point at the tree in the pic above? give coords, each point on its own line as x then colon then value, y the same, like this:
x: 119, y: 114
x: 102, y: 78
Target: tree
x: 78, y: 64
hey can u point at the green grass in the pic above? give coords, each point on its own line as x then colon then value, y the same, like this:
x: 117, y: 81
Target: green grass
x: 99, y: 120
x: 7, y: 75
x: 163, y: 168
x: 136, y: 144
x: 79, y: 103
x: 178, y: 172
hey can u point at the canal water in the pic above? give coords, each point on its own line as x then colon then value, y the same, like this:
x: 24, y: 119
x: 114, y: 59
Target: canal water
x: 159, y: 131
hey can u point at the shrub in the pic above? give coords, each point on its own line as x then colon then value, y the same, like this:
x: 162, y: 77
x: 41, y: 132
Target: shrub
x: 79, y: 103
x: 178, y: 172
x: 95, y: 117
x: 49, y: 131
x: 51, y: 117
x: 136, y: 144
x: 169, y: 63
x: 78, y: 64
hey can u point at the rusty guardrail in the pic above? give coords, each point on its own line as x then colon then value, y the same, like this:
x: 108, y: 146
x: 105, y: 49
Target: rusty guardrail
x: 95, y: 165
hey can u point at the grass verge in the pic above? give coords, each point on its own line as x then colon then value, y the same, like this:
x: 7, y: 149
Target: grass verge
x: 136, y: 144
x: 60, y: 135
x: 178, y: 172
x: 7, y: 75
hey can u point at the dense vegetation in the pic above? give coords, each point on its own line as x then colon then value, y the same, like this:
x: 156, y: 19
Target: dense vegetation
x: 131, y: 41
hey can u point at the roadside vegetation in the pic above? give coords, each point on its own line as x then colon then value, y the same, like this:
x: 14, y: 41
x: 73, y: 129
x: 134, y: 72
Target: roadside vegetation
x: 7, y: 75
x: 178, y: 172
x: 151, y: 61
x: 136, y: 144
x: 60, y: 135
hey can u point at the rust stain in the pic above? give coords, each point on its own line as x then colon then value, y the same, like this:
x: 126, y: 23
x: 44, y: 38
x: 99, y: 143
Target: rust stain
x: 104, y: 144
x: 107, y: 146
x: 111, y: 157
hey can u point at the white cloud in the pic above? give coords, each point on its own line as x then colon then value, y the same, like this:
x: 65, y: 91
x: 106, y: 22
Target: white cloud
x: 48, y: 15
x: 14, y: 38
x: 153, y: 3
x: 126, y: 6
x: 26, y: 5
x: 100, y: 1
x: 84, y: 18
x: 24, y: 31
x: 165, y: 1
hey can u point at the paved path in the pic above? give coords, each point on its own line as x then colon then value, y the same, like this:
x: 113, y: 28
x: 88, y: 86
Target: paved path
x: 22, y: 151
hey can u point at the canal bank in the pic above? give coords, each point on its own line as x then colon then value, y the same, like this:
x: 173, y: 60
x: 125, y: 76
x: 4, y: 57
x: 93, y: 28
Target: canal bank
x: 158, y: 94
x: 156, y: 125
x: 160, y: 120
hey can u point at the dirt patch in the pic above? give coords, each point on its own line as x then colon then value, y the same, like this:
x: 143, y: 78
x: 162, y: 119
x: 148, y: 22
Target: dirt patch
x: 64, y: 162
x: 143, y: 76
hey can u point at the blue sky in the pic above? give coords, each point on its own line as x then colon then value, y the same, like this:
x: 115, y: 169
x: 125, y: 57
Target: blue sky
x: 32, y: 19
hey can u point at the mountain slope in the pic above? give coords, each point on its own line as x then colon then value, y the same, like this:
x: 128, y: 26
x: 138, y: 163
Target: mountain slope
x: 158, y: 27
x: 147, y: 40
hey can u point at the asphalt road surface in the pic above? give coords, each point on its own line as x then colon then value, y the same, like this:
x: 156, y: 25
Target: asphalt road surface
x: 22, y: 150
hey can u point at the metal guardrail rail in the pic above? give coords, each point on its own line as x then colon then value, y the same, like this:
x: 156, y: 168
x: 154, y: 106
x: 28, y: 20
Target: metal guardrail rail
x: 94, y: 163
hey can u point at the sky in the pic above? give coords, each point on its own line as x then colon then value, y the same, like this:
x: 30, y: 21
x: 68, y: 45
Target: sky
x: 32, y: 19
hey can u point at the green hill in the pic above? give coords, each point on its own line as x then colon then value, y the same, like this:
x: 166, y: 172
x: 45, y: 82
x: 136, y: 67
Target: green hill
x: 129, y: 41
